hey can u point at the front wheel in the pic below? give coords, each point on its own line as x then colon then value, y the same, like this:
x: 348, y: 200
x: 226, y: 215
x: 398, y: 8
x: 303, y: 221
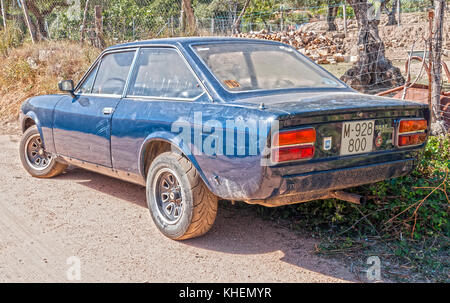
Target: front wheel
x: 36, y: 161
x: 181, y: 205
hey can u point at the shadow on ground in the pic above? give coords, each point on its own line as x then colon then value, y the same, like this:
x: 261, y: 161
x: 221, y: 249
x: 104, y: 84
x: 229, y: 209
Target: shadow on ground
x: 236, y: 231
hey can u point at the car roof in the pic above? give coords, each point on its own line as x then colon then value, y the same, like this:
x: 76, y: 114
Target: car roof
x: 187, y: 41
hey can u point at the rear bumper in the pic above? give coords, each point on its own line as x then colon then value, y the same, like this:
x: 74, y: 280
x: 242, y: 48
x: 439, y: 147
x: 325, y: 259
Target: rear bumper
x: 318, y: 185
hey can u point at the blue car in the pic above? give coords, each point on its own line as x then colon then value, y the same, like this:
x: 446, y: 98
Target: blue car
x: 195, y: 120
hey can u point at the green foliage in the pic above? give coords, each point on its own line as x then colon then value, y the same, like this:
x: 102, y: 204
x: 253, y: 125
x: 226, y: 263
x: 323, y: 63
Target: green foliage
x: 348, y: 10
x: 126, y: 20
x: 129, y: 20
x: 65, y: 27
x: 10, y: 39
x: 46, y: 6
x: 123, y: 20
x: 262, y: 11
x: 436, y: 157
x: 409, y: 6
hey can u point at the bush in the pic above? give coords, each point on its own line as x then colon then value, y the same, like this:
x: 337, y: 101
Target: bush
x: 32, y: 70
x: 10, y: 39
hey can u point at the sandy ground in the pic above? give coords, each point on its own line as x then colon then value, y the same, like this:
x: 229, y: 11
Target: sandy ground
x: 104, y: 223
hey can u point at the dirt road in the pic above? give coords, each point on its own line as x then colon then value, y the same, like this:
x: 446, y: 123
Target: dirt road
x: 104, y: 224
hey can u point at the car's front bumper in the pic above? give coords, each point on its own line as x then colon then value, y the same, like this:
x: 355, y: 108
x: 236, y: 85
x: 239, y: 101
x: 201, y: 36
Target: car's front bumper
x: 319, y: 185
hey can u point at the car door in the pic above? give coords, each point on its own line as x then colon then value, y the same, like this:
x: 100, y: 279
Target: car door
x: 161, y: 91
x: 82, y: 124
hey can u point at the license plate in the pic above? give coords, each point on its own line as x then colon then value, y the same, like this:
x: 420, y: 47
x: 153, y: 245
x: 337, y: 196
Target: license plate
x: 357, y: 137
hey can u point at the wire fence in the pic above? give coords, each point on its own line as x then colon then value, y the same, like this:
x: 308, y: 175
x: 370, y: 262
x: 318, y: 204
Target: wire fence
x: 325, y: 31
x: 127, y: 20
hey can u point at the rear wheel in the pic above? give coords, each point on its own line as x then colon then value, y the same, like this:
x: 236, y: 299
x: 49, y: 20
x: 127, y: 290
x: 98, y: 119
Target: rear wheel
x: 36, y: 161
x: 181, y: 205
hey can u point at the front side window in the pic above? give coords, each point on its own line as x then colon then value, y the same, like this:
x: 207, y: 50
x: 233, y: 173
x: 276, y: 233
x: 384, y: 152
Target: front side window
x: 257, y: 66
x: 113, y: 73
x: 162, y: 73
x: 86, y: 87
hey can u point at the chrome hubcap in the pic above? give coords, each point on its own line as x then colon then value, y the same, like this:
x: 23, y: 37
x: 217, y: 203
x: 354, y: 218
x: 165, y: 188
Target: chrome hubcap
x: 36, y: 155
x: 168, y: 196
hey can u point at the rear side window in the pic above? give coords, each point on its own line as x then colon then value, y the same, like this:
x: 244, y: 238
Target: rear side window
x: 113, y: 73
x: 163, y: 73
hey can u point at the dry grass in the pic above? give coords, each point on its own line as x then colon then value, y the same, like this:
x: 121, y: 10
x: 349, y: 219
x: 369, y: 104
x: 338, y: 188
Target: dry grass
x: 32, y: 70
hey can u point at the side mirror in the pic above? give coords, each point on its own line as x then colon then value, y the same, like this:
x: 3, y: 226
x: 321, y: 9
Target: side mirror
x: 67, y: 86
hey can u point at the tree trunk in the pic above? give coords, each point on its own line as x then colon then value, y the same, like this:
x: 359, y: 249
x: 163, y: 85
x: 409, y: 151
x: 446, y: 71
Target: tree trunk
x: 83, y: 24
x: 41, y: 31
x: 237, y: 24
x: 28, y: 20
x: 436, y: 69
x: 390, y: 13
x: 190, y: 18
x: 331, y: 15
x: 266, y: 26
x: 40, y: 13
x: 100, y: 40
x: 373, y: 71
x: 2, y: 4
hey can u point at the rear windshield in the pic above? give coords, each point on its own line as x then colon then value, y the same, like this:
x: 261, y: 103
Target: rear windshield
x: 257, y: 66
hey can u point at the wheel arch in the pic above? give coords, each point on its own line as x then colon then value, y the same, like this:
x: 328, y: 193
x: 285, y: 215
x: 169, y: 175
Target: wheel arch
x: 27, y: 123
x: 29, y: 120
x: 159, y: 143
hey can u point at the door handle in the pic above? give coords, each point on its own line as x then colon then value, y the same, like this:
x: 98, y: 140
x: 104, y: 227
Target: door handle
x: 108, y: 110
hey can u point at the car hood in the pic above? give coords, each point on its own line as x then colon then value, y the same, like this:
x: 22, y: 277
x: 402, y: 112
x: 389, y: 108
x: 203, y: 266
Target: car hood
x: 324, y: 102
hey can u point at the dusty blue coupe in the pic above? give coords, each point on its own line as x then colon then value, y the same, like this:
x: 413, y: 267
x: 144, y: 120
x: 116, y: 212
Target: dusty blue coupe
x: 198, y: 119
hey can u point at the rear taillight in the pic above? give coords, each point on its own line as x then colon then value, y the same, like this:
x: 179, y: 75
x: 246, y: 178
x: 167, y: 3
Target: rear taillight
x: 407, y: 126
x: 294, y: 137
x: 293, y: 145
x: 286, y: 154
x: 412, y: 139
x: 412, y: 132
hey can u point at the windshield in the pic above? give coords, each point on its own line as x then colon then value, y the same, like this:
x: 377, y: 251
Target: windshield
x: 257, y: 66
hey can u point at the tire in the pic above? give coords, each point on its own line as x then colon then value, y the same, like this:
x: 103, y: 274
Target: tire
x: 48, y: 166
x: 197, y: 208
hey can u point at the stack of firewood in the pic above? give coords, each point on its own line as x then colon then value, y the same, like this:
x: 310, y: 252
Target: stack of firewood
x: 320, y: 48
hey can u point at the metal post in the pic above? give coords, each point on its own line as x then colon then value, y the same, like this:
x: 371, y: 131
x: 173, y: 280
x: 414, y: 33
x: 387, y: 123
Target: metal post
x: 47, y: 28
x: 430, y: 60
x: 212, y: 26
x: 399, y: 12
x: 436, y: 40
x: 344, y: 11
x: 134, y: 34
x: 99, y: 27
x: 27, y: 18
x: 83, y: 24
x: 3, y: 14
x: 182, y: 20
x: 282, y: 18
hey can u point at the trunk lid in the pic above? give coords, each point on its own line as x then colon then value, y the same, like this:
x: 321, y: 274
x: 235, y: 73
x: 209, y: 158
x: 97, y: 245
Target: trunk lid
x: 311, y: 104
x: 330, y: 113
